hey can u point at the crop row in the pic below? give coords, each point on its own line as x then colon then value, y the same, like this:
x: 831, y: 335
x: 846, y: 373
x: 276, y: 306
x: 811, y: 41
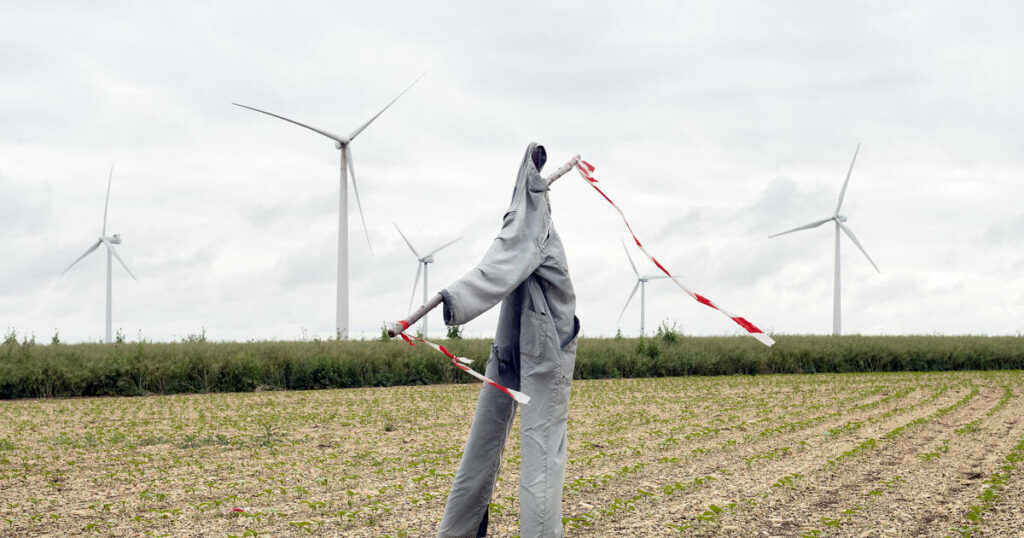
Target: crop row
x: 662, y: 453
x: 872, y: 497
x: 377, y: 462
x: 713, y: 516
x: 714, y: 513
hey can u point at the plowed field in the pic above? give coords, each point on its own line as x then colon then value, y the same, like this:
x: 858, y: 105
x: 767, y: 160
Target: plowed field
x: 906, y: 454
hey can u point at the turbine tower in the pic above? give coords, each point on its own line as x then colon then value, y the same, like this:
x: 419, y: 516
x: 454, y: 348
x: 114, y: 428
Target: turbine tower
x: 341, y: 143
x: 422, y: 265
x: 108, y: 242
x: 839, y: 220
x: 641, y: 283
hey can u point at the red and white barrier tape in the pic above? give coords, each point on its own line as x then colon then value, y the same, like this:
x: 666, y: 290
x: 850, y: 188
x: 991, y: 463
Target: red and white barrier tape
x: 461, y: 362
x: 587, y: 171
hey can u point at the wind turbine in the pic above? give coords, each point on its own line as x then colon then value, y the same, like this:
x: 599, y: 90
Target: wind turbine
x: 423, y: 265
x: 839, y: 220
x: 341, y: 143
x: 108, y: 242
x: 641, y: 283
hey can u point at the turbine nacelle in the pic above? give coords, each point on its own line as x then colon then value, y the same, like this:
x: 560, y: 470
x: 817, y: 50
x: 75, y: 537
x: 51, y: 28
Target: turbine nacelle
x: 840, y: 227
x: 421, y: 269
x: 641, y: 284
x: 108, y: 242
x: 347, y: 171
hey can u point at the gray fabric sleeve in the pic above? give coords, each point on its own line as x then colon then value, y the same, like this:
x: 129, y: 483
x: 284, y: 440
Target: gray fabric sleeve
x: 509, y: 261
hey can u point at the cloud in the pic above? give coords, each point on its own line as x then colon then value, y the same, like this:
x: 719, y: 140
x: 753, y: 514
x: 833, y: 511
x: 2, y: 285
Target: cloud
x: 712, y: 125
x: 1006, y: 232
x: 29, y: 209
x: 313, y: 207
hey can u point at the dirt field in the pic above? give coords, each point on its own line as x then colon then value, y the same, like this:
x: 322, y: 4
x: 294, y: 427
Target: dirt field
x: 812, y: 455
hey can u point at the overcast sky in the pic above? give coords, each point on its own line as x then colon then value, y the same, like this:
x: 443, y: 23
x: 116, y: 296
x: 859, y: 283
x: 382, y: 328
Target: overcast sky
x: 712, y: 125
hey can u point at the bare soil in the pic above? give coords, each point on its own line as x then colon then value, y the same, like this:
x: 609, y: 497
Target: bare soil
x: 906, y: 454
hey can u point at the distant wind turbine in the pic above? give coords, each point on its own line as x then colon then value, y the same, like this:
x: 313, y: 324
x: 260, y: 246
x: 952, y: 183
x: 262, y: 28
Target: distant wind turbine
x: 839, y: 220
x: 341, y: 143
x: 641, y: 283
x: 108, y: 242
x: 424, y: 262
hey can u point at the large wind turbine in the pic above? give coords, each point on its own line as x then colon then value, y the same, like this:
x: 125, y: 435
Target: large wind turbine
x: 108, y: 242
x: 423, y: 265
x: 341, y: 143
x: 839, y: 220
x: 641, y: 283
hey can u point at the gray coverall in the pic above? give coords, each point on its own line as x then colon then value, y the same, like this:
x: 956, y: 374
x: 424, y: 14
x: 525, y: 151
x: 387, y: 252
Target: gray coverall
x: 534, y: 351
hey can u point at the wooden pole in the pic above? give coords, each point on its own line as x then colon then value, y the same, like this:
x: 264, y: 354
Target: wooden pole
x: 396, y: 327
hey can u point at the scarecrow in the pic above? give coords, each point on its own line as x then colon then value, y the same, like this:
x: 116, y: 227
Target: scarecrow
x: 534, y: 352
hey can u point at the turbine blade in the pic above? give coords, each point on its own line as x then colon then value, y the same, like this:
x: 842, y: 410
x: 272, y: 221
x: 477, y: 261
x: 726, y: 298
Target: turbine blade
x: 110, y: 247
x: 659, y: 277
x: 355, y: 188
x: 814, y: 224
x: 631, y: 264
x: 368, y: 122
x: 87, y: 252
x: 438, y: 249
x: 842, y: 193
x: 417, y: 254
x: 415, y: 284
x: 849, y: 233
x: 106, y: 204
x: 332, y: 136
x: 631, y: 294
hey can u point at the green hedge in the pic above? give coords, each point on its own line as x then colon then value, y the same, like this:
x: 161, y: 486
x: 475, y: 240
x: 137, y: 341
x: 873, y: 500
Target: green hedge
x: 29, y: 370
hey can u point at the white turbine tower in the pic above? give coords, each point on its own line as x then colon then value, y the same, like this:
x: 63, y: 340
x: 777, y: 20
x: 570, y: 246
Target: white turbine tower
x: 422, y: 266
x: 341, y: 143
x: 108, y: 242
x: 641, y: 283
x: 839, y: 220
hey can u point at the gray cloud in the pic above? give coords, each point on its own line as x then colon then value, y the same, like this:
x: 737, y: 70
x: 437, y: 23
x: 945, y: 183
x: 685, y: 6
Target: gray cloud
x: 1006, y: 233
x: 31, y: 212
x: 315, y: 207
x: 712, y: 125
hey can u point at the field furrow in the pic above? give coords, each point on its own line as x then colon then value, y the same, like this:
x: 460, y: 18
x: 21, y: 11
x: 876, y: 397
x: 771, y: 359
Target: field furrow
x: 932, y: 493
x: 877, y: 461
x: 703, y: 454
x: 738, y: 486
x: 903, y: 453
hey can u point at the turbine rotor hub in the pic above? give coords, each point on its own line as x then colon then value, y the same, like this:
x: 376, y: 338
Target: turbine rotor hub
x: 840, y: 218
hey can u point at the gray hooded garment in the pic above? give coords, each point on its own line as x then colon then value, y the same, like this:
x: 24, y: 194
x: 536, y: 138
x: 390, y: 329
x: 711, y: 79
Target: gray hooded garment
x: 534, y: 351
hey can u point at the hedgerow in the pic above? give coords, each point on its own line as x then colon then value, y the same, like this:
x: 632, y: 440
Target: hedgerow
x: 31, y: 370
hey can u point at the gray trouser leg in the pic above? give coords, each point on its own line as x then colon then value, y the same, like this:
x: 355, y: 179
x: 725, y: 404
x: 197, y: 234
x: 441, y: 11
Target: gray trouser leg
x: 474, y: 481
x: 544, y: 442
